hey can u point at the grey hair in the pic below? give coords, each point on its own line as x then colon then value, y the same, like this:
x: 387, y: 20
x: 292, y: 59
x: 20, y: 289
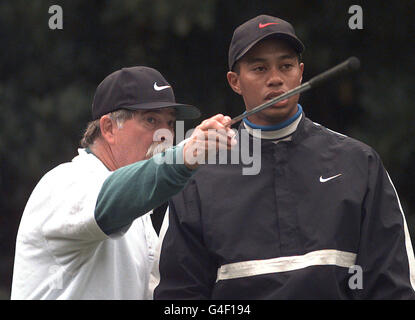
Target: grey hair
x: 93, y: 130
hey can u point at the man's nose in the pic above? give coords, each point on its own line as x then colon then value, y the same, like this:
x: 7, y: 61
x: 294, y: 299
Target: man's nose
x: 274, y: 78
x: 163, y: 135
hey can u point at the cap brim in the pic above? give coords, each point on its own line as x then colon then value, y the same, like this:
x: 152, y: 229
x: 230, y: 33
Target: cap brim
x: 295, y: 42
x: 183, y: 111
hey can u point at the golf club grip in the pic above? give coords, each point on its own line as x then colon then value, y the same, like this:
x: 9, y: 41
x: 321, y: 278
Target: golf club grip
x: 350, y: 64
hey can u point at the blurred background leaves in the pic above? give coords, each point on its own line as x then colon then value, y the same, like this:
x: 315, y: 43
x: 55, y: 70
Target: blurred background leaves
x: 48, y: 78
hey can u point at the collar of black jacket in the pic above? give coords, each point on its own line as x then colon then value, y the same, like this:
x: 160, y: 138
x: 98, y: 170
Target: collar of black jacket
x: 296, y: 136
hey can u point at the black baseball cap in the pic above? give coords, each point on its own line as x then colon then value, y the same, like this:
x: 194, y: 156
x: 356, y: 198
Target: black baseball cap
x: 252, y: 31
x: 138, y: 88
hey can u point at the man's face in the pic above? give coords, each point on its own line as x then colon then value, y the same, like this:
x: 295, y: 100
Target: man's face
x: 268, y: 70
x: 132, y: 141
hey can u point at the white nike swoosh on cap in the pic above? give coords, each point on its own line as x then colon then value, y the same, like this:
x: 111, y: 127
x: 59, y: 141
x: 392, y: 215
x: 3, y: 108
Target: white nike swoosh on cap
x: 330, y: 178
x: 157, y: 88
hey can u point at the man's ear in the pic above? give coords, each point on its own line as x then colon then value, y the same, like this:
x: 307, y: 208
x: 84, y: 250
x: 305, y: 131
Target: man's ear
x: 233, y: 80
x: 301, y: 70
x: 107, y: 127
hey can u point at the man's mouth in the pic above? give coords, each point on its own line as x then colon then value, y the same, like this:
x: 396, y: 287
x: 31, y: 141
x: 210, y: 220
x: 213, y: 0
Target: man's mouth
x: 157, y: 147
x: 275, y: 94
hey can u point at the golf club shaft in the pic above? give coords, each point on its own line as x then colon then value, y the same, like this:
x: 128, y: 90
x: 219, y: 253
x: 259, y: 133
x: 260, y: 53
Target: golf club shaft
x: 297, y: 90
x: 350, y: 64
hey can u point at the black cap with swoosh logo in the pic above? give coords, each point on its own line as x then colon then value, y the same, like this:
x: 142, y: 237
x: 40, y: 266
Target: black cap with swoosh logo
x: 252, y: 31
x: 138, y: 88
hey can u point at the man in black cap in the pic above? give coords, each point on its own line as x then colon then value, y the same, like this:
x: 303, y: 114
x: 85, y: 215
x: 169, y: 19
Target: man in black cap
x: 85, y: 232
x: 321, y: 219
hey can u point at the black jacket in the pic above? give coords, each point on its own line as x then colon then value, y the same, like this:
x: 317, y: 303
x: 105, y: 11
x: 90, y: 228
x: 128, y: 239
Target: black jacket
x: 321, y: 220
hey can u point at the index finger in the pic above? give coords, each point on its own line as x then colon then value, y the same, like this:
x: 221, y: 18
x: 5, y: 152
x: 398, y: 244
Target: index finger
x: 215, y: 122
